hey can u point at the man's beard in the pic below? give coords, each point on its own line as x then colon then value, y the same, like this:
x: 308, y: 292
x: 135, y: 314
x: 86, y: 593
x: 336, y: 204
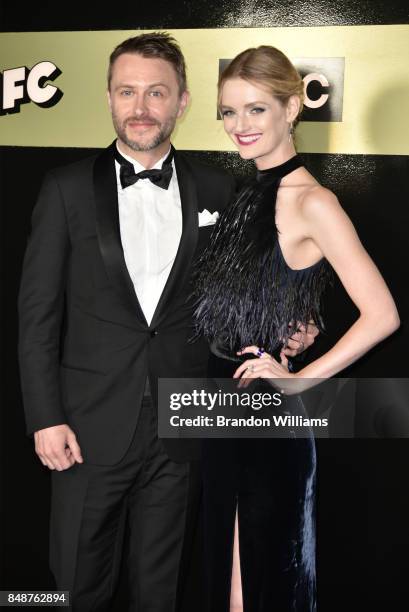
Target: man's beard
x: 165, y: 130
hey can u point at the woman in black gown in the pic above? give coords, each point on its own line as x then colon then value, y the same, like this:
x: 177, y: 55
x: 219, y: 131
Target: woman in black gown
x: 262, y: 275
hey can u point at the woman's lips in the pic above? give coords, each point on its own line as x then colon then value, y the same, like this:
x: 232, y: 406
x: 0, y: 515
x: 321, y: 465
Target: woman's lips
x: 247, y: 139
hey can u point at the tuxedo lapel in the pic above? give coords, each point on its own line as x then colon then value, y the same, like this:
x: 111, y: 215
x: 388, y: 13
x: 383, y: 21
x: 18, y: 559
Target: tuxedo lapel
x: 181, y: 266
x: 109, y: 237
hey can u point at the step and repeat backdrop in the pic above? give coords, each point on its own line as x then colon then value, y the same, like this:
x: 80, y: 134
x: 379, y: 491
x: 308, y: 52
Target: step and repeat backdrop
x: 53, y: 86
x: 354, y: 137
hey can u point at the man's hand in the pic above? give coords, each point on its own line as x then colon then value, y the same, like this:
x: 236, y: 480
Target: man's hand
x: 57, y: 447
x: 301, y: 339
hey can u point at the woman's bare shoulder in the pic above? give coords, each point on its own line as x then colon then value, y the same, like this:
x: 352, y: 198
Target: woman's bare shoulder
x: 318, y: 200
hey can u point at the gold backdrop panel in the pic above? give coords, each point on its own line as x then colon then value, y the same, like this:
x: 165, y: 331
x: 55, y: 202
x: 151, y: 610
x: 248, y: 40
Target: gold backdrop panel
x: 375, y: 96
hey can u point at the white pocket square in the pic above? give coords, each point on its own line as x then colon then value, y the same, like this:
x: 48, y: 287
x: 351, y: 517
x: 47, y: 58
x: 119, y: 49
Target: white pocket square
x: 207, y: 218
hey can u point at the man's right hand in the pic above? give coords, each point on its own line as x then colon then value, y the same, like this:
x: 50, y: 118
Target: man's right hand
x: 57, y: 447
x: 300, y: 340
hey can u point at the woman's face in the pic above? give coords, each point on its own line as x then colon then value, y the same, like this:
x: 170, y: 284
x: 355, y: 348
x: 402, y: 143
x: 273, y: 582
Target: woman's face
x: 257, y: 123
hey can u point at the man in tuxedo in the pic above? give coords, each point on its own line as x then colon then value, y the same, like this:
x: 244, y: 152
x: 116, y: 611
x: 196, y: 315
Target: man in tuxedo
x: 104, y: 312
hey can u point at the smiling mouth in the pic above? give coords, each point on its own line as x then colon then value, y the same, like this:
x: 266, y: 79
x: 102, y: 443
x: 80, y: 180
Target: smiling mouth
x: 140, y: 124
x: 247, y: 139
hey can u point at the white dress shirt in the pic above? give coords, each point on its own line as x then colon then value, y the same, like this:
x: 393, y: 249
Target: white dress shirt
x: 150, y: 221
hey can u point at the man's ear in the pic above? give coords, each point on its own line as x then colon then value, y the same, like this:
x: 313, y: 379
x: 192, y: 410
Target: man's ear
x: 109, y: 100
x: 183, y: 102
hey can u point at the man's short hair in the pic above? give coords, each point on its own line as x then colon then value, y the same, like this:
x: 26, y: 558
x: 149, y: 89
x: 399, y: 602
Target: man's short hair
x: 160, y: 45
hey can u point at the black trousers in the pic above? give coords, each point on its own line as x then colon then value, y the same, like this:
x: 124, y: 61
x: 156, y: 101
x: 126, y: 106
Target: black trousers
x: 156, y: 500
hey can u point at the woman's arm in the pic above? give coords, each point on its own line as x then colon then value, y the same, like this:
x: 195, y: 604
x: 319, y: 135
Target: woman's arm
x: 326, y: 223
x: 332, y: 231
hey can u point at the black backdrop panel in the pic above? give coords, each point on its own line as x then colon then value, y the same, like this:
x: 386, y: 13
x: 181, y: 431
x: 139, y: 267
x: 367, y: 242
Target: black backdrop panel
x: 362, y: 505
x: 162, y: 14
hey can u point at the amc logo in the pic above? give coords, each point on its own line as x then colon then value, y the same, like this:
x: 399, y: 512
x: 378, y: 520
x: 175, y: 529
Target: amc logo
x: 323, y: 86
x: 21, y: 85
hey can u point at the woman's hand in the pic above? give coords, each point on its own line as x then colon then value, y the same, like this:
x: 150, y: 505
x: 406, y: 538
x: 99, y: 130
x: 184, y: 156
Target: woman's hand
x: 275, y: 373
x: 264, y: 367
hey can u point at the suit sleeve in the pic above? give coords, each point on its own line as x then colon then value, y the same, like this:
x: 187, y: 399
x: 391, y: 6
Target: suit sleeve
x: 228, y: 192
x: 233, y: 189
x: 41, y: 309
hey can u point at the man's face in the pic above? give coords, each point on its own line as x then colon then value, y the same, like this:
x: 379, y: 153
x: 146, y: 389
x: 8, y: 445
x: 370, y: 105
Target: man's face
x: 145, y: 101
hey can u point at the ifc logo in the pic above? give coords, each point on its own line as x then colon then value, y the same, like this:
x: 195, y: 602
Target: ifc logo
x: 21, y: 85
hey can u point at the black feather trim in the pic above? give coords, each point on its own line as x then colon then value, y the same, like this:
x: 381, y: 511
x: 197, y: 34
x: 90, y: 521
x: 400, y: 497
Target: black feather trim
x: 246, y: 294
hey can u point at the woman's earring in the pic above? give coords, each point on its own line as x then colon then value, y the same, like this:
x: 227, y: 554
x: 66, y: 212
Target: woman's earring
x: 290, y: 132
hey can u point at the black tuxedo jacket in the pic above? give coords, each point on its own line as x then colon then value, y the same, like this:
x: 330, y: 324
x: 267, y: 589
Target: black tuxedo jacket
x: 85, y: 348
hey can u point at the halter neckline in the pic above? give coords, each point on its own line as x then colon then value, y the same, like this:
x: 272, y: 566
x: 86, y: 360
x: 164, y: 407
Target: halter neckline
x: 278, y: 172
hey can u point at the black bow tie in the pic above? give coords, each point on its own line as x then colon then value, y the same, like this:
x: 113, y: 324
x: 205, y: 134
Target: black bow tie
x: 160, y: 178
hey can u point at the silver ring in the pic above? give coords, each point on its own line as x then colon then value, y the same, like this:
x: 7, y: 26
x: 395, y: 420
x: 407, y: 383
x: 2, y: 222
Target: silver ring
x: 302, y: 345
x: 260, y: 352
x: 251, y: 368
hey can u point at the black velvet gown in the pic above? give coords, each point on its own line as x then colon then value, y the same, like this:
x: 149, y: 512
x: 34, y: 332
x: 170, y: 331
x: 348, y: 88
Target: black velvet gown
x: 247, y: 295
